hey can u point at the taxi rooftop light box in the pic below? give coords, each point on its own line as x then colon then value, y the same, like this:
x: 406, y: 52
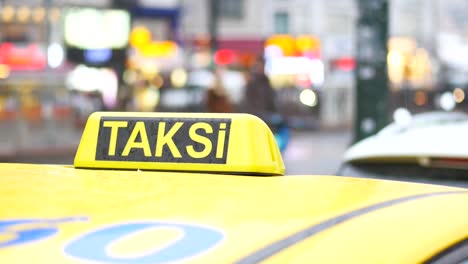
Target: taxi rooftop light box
x: 216, y: 143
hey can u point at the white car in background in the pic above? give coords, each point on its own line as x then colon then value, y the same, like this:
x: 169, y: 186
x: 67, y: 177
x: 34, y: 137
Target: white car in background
x: 428, y: 148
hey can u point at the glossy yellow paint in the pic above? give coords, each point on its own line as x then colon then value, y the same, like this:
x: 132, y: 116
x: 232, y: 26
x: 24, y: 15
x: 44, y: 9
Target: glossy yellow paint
x: 386, y: 237
x: 251, y: 212
x: 251, y: 147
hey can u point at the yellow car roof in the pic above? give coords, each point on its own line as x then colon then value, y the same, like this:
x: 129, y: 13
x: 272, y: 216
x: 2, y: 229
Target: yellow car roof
x: 61, y: 214
x: 118, y: 203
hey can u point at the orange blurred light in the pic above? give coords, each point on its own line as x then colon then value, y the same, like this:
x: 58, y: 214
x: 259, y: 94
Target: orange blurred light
x: 139, y: 37
x: 420, y: 98
x: 54, y: 14
x: 458, y: 95
x: 23, y: 14
x: 8, y: 12
x: 158, y: 81
x: 38, y: 14
x: 4, y: 71
x: 287, y: 44
x: 202, y: 41
x: 246, y: 59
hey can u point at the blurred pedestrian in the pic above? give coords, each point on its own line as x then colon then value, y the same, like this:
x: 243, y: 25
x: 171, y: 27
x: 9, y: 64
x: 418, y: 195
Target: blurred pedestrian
x: 217, y: 98
x: 260, y: 101
x: 259, y: 96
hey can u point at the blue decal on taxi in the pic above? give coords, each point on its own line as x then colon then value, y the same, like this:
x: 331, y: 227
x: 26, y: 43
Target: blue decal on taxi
x: 94, y: 246
x: 20, y: 231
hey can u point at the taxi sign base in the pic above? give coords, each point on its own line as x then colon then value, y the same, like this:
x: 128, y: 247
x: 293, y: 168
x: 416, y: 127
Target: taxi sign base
x: 191, y: 142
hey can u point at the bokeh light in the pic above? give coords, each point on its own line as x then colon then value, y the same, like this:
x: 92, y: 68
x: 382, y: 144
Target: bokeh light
x: 54, y: 14
x: 8, y: 13
x: 4, y: 71
x: 458, y: 95
x: 23, y: 14
x: 179, y: 78
x: 158, y: 81
x: 308, y: 97
x: 420, y: 98
x: 55, y: 55
x: 38, y: 14
x: 402, y: 116
x: 447, y: 102
x: 139, y: 37
x: 130, y: 76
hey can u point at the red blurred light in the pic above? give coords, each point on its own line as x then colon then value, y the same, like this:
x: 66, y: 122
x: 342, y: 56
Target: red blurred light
x: 303, y: 80
x: 224, y: 57
x: 312, y: 54
x: 22, y: 58
x: 345, y: 64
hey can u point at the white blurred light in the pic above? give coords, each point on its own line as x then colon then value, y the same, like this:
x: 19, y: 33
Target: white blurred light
x: 130, y: 76
x: 200, y: 60
x: 149, y: 69
x: 395, y: 59
x: 297, y: 65
x: 234, y: 83
x: 367, y: 72
x: 368, y: 125
x: 288, y: 65
x: 103, y: 80
x: 447, y: 102
x: 179, y: 78
x: 109, y: 88
x: 176, y: 98
x: 89, y: 28
x: 273, y: 51
x: 150, y: 99
x: 317, y: 72
x: 402, y: 116
x: 55, y: 55
x: 201, y: 78
x: 308, y: 97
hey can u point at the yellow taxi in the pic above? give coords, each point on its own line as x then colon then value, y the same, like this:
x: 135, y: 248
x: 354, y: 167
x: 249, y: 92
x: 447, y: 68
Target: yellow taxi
x: 210, y: 188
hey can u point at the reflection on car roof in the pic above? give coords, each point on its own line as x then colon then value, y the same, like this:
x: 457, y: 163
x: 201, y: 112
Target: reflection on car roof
x: 425, y: 120
x: 435, y: 134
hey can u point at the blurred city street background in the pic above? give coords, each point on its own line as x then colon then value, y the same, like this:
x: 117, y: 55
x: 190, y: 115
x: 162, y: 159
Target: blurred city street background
x: 317, y: 69
x: 318, y: 152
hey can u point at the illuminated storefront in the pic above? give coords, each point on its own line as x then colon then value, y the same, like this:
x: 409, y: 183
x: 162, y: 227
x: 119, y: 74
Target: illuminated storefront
x: 294, y: 61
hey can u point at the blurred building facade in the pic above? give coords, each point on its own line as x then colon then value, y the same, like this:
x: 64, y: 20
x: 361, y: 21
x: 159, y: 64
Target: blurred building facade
x: 427, y: 54
x: 246, y: 26
x: 43, y: 86
x: 255, y: 21
x: 427, y: 45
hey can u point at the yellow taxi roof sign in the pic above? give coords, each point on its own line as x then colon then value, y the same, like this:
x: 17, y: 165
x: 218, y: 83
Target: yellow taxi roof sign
x: 217, y: 143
